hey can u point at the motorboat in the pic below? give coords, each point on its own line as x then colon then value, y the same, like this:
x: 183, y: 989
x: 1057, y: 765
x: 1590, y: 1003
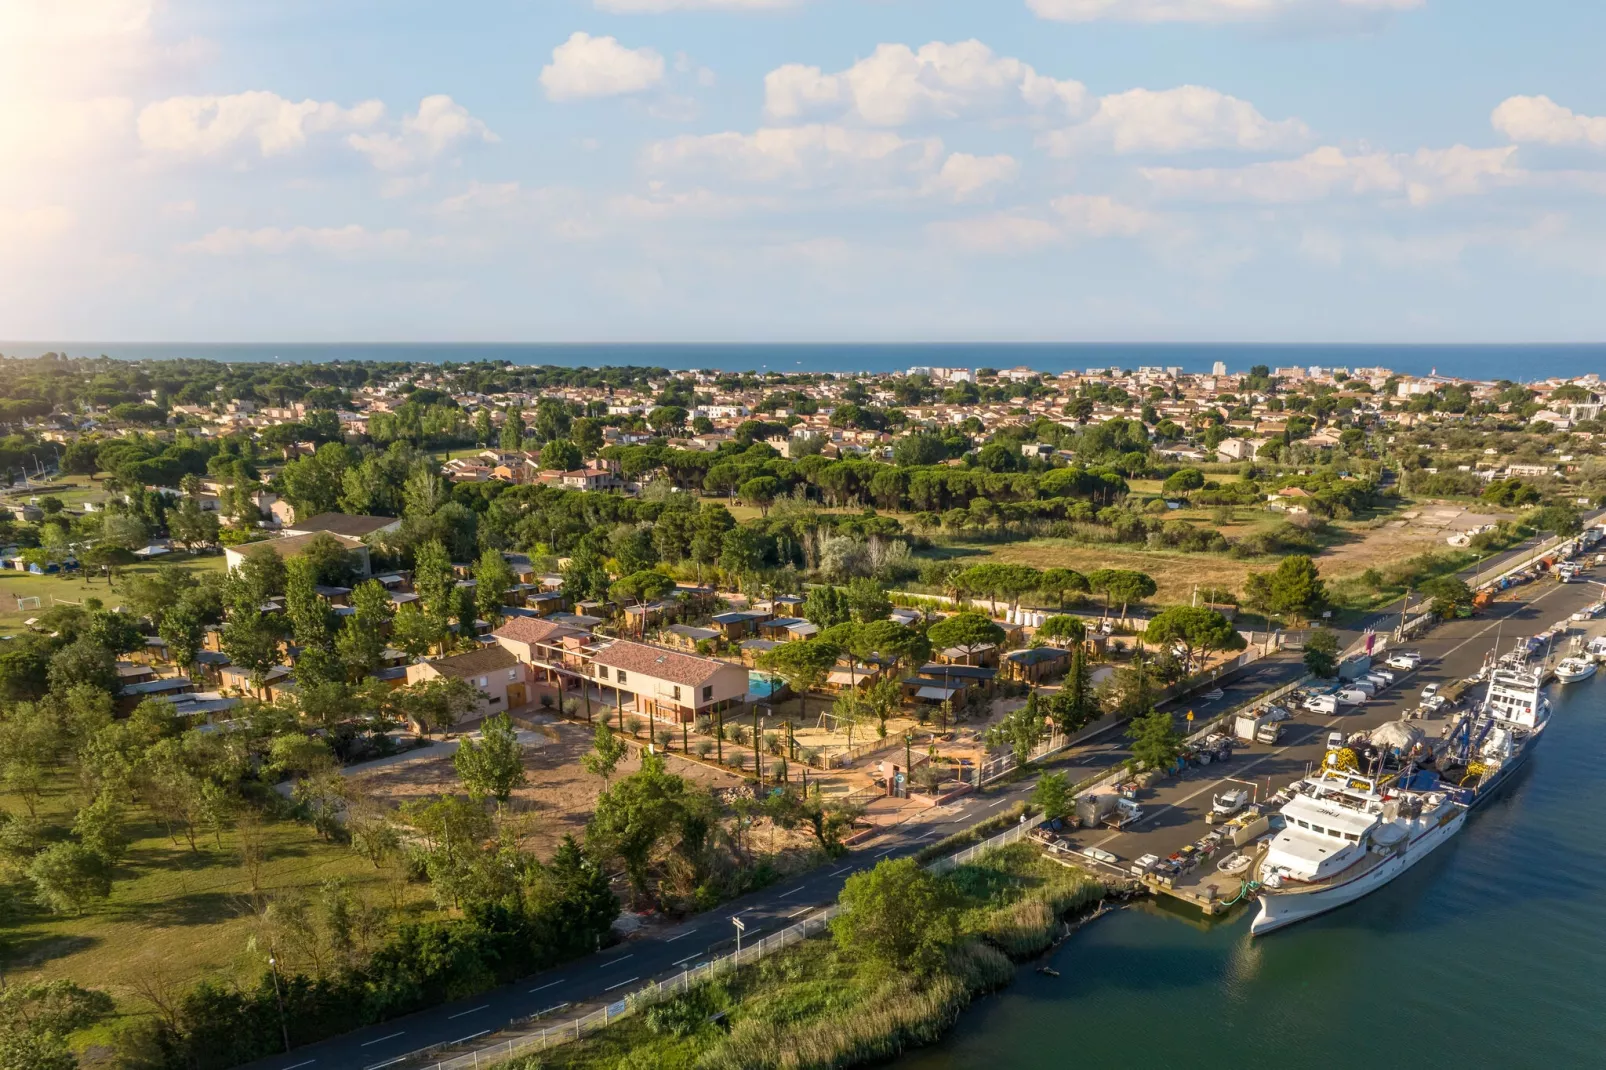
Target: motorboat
x: 1344, y: 836
x: 1570, y: 670
x: 1596, y: 648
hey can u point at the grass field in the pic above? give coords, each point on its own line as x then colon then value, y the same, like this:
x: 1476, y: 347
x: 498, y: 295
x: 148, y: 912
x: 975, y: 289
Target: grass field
x: 73, y: 491
x: 175, y: 915
x: 1175, y: 572
x: 15, y: 585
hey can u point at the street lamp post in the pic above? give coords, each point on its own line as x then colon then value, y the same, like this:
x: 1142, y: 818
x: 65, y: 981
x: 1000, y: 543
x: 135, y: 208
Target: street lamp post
x: 284, y: 1027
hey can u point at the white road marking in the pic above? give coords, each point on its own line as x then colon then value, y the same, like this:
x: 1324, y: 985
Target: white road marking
x: 783, y: 895
x: 672, y: 939
x: 621, y: 984
x: 615, y: 962
x: 841, y: 871
x: 544, y: 987
x: 688, y: 958
x: 392, y: 1036
x: 471, y: 1010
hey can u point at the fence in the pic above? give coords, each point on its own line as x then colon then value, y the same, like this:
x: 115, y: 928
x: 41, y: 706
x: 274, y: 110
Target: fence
x: 530, y: 1040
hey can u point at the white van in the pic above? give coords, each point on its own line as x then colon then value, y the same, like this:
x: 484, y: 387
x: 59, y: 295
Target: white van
x: 1322, y: 704
x: 1352, y: 696
x: 1335, y: 740
x: 1363, y: 684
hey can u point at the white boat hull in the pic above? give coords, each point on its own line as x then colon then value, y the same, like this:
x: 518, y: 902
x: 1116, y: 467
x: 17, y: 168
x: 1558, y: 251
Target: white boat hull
x: 1282, y: 908
x: 1583, y: 673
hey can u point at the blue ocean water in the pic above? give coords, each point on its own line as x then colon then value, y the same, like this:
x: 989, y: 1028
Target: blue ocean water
x: 1517, y: 362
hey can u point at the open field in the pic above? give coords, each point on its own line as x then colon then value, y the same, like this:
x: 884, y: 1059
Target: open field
x: 1175, y: 572
x: 175, y: 915
x: 15, y: 585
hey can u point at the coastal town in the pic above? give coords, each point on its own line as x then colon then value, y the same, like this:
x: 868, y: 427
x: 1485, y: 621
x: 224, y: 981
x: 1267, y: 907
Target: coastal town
x: 614, y: 650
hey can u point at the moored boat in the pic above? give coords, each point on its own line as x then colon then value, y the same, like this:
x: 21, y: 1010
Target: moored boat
x: 1571, y: 670
x: 1345, y: 836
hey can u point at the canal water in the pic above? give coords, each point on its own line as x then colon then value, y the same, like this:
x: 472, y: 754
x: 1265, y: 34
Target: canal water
x: 1490, y: 953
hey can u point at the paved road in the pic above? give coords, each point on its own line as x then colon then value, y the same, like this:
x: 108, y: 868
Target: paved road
x: 612, y: 973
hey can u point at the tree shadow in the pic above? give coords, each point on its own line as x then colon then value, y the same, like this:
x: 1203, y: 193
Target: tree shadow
x: 195, y: 908
x: 29, y: 949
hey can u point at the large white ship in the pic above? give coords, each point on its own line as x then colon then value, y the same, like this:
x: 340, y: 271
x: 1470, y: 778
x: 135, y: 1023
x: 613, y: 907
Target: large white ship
x: 1485, y: 747
x: 1346, y: 835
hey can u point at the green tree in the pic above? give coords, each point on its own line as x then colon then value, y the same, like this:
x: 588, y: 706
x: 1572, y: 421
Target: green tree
x: 436, y: 587
x: 1321, y: 653
x: 83, y: 661
x: 826, y: 606
x: 483, y: 434
x: 360, y: 643
x: 897, y: 916
x: 494, y: 766
x: 310, y: 623
x: 1064, y: 628
x: 412, y: 631
x: 607, y: 750
x: 561, y: 455
x: 493, y: 578
x: 36, y: 1019
x: 640, y: 588
x: 512, y: 435
x: 1296, y: 589
x: 803, y: 665
x: 1052, y: 796
x: 101, y: 826
x: 1199, y: 631
x: 1155, y: 739
x: 633, y: 817
x: 1059, y: 581
x: 437, y: 705
x: 867, y: 600
x: 1555, y: 519
x: 967, y: 632
x: 1123, y: 585
x: 762, y: 492
x: 1447, y: 595
x: 183, y: 632
x: 68, y: 877
x: 1021, y: 730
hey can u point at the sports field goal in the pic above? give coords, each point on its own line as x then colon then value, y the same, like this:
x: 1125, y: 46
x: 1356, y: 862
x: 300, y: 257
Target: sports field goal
x: 26, y: 603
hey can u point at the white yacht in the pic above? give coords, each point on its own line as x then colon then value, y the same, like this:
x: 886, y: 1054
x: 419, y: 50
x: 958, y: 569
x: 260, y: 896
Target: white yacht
x: 1573, y: 669
x: 1346, y: 835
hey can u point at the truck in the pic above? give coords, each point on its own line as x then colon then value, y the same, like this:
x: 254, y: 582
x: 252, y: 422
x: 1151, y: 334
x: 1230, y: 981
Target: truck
x: 1259, y: 726
x: 1106, y: 809
x: 1247, y: 726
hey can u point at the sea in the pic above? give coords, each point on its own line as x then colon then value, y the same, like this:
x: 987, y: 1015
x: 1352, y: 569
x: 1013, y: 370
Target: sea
x: 1479, y: 362
x: 1489, y: 953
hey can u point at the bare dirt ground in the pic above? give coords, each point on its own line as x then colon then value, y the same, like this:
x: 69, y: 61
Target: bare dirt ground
x: 1423, y: 527
x: 560, y: 793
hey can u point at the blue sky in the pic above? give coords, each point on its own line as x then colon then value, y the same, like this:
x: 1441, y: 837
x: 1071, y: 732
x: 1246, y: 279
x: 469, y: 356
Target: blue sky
x: 758, y: 170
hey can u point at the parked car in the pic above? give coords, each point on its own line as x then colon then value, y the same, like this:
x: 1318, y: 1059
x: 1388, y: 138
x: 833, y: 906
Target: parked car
x: 1405, y: 660
x: 1430, y: 691
x: 1382, y: 674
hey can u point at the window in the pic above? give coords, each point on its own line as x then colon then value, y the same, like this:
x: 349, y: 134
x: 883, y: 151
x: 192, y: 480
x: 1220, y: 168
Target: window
x: 708, y: 694
x: 621, y: 676
x: 513, y: 674
x: 1351, y: 837
x: 677, y: 692
x: 602, y: 671
x: 483, y: 681
x: 1318, y: 829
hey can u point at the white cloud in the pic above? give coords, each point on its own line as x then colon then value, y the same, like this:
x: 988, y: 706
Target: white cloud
x: 208, y: 125
x: 1003, y: 232
x: 1103, y: 217
x: 439, y: 124
x: 897, y: 84
x: 799, y: 156
x: 1209, y: 10
x: 638, y: 7
x: 36, y: 224
x: 586, y: 66
x: 1540, y: 120
x: 348, y: 241
x: 1422, y: 177
x: 963, y: 176
x: 1186, y: 119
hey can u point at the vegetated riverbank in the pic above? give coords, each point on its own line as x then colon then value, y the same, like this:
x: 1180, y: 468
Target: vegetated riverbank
x: 823, y: 1004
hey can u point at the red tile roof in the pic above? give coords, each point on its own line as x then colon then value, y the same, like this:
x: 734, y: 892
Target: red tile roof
x: 658, y: 663
x: 533, y: 630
